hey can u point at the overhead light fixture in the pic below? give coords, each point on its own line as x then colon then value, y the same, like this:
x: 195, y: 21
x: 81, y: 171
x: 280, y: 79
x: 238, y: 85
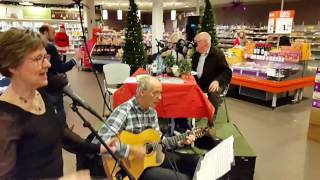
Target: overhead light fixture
x: 119, y: 14
x: 26, y: 3
x: 173, y: 14
x: 139, y: 13
x: 104, y: 14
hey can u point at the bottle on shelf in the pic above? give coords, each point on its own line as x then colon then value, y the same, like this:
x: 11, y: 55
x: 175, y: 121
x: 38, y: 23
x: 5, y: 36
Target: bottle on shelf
x: 262, y: 49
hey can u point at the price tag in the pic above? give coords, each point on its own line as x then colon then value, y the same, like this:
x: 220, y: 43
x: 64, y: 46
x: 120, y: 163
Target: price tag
x: 271, y: 72
x: 284, y: 25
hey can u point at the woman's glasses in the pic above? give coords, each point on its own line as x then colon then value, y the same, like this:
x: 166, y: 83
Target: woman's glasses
x: 40, y: 59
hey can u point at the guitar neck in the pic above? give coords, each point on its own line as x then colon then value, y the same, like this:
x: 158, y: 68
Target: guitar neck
x: 173, y: 141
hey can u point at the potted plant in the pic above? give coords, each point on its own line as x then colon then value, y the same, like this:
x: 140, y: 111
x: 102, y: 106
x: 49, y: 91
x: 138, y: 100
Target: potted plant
x: 185, y: 68
x: 169, y: 63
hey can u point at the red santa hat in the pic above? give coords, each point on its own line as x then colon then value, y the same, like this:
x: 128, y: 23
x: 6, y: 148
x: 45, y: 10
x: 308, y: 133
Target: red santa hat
x: 62, y: 26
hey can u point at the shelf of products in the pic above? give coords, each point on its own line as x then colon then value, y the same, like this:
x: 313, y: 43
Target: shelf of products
x: 308, y: 33
x: 226, y: 35
x: 72, y: 28
x: 301, y: 33
x: 109, y: 44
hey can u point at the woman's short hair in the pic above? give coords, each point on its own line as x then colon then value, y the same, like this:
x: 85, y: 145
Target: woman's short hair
x: 15, y: 44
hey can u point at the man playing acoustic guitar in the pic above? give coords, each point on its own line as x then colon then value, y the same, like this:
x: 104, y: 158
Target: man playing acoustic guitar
x: 137, y: 119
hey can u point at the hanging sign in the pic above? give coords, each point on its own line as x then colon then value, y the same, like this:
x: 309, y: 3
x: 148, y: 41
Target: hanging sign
x: 65, y: 15
x: 281, y: 22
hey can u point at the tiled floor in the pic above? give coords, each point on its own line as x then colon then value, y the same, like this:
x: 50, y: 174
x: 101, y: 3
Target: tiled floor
x: 278, y: 136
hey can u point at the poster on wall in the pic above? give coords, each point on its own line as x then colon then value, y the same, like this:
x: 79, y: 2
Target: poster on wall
x: 65, y: 15
x: 281, y: 22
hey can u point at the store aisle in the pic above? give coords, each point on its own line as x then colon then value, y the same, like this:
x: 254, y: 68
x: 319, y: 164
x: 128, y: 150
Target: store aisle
x: 278, y: 136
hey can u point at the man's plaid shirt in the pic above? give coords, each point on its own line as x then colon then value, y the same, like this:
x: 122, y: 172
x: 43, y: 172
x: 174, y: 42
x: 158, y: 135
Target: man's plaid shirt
x: 130, y: 117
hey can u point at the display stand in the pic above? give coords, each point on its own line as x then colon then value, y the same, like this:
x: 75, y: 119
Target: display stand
x: 284, y: 80
x: 314, y: 123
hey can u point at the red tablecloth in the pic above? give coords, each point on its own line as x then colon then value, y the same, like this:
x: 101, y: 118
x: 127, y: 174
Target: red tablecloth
x: 178, y: 100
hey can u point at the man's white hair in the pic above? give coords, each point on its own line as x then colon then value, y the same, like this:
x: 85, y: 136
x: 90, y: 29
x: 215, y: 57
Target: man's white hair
x: 206, y: 36
x: 143, y: 83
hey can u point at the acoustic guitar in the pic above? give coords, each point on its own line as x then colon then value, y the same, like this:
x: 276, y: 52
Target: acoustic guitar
x: 154, y: 154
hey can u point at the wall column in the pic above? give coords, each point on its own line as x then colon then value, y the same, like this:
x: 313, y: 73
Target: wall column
x: 89, y: 17
x: 157, y: 23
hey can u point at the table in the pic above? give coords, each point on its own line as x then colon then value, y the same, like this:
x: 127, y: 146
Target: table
x: 178, y: 100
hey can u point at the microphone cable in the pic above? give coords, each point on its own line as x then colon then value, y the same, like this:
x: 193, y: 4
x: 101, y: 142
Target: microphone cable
x: 89, y: 55
x: 173, y: 165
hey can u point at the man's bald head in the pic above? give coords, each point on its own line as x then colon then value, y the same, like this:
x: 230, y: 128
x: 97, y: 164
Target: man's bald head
x: 47, y: 31
x: 203, y: 41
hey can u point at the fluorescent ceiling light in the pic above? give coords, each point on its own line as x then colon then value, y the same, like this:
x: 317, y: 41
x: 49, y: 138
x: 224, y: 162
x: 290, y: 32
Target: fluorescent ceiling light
x: 104, y: 14
x: 119, y: 14
x: 173, y: 15
x: 26, y: 3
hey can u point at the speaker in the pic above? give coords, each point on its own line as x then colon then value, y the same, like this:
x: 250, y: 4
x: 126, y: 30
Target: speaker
x: 193, y: 23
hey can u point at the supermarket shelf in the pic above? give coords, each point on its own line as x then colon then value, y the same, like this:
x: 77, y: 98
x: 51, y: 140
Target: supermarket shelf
x: 40, y: 20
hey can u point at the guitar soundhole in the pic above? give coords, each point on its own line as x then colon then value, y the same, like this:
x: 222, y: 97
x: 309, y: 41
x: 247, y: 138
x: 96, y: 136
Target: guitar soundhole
x: 149, y: 148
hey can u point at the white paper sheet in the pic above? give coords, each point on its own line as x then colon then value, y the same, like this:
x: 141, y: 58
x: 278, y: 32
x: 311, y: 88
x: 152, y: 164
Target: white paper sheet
x: 166, y: 80
x: 171, y: 80
x: 130, y: 80
x: 216, y: 162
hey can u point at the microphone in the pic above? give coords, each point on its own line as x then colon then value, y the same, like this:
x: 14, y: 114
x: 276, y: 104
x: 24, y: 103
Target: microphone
x: 160, y: 44
x: 60, y: 82
x: 77, y: 99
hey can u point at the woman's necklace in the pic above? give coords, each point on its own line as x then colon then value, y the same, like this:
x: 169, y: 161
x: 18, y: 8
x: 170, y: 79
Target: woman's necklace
x: 36, y: 103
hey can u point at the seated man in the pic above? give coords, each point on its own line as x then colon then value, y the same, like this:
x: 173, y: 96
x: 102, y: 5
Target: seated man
x: 139, y: 114
x: 212, y: 68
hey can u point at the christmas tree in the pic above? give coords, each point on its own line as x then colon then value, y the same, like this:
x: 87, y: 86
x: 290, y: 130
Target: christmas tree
x: 134, y: 53
x: 207, y: 24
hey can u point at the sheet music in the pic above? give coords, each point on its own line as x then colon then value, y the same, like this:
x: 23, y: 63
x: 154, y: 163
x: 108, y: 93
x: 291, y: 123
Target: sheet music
x: 216, y: 162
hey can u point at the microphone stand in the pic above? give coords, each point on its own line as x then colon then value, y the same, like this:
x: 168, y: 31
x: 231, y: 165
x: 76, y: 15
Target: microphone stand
x: 87, y: 124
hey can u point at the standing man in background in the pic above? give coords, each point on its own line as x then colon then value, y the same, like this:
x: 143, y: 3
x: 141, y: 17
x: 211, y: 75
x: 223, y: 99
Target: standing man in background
x: 213, y: 72
x: 57, y: 67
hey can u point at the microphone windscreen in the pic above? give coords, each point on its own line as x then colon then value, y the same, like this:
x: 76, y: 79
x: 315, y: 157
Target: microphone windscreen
x: 57, y: 82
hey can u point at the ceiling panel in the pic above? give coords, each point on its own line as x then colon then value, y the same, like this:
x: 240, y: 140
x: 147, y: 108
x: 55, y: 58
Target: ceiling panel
x: 147, y: 4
